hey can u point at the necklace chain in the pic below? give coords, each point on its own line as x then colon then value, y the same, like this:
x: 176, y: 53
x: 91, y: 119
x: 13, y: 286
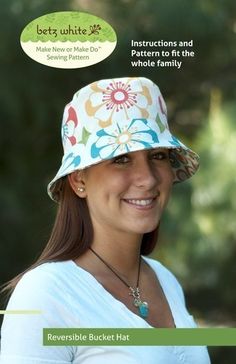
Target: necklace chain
x: 134, y: 292
x: 113, y: 270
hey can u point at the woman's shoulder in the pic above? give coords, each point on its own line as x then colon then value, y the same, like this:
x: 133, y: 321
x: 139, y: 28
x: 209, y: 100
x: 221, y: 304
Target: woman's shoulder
x: 41, y: 301
x: 167, y: 278
x: 159, y: 267
x: 41, y: 282
x: 46, y: 273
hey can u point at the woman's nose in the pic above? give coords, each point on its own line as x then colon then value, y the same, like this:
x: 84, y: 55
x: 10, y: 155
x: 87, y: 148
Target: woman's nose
x: 145, y: 175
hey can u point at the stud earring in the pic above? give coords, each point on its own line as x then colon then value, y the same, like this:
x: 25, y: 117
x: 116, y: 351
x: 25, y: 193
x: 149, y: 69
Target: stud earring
x: 81, y: 189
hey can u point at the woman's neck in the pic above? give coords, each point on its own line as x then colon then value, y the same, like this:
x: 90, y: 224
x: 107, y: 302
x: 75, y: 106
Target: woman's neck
x: 120, y: 250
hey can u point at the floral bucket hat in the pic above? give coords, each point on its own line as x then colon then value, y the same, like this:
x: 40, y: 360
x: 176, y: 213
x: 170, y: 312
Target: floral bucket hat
x: 116, y: 116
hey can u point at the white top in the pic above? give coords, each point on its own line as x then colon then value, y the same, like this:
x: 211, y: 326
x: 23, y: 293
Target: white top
x: 69, y: 296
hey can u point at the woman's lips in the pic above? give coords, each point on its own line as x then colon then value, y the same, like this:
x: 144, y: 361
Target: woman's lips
x: 141, y: 203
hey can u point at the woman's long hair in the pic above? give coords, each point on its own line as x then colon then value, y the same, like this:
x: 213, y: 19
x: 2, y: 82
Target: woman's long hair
x: 72, y: 233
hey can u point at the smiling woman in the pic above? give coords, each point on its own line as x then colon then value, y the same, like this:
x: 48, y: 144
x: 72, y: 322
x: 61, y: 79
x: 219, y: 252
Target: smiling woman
x: 132, y: 199
x: 120, y: 162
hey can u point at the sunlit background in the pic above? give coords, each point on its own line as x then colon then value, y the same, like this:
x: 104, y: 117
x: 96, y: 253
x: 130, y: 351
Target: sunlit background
x: 198, y: 231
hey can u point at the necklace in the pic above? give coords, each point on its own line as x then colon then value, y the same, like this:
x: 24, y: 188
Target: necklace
x: 142, y: 306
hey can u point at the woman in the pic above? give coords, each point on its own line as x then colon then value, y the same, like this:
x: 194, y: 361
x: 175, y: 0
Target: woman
x: 120, y: 162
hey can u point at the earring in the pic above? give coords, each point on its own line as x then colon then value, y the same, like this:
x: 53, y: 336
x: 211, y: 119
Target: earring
x: 81, y: 189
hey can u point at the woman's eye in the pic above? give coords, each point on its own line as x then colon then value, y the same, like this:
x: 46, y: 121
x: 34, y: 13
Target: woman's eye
x: 159, y: 155
x: 121, y: 159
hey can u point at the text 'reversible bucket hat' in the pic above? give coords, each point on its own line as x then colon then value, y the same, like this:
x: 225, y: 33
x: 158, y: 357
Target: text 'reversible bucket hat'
x: 112, y: 117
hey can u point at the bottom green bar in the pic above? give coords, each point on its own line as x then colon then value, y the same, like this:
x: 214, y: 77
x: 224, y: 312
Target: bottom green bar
x: 140, y: 337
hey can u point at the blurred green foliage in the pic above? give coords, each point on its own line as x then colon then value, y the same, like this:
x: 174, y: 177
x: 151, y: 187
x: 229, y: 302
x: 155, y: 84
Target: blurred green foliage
x: 204, y: 249
x: 198, y: 235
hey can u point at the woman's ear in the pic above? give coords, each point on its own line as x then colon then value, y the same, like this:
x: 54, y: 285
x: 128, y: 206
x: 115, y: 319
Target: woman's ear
x: 77, y: 183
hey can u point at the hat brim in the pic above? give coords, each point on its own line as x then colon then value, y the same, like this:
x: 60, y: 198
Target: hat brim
x: 184, y: 161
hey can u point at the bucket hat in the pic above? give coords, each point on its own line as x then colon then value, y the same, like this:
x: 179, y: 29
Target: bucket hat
x: 111, y: 117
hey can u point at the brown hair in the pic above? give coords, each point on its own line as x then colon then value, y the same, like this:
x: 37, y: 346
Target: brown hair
x: 72, y: 232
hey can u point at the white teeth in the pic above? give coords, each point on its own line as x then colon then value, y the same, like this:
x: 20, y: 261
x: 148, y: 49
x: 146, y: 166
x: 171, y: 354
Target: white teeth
x: 141, y: 202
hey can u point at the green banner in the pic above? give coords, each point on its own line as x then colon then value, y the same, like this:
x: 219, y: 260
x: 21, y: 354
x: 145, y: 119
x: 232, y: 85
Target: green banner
x: 139, y: 337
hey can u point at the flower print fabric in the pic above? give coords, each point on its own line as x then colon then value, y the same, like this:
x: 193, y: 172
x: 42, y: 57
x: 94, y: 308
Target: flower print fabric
x: 123, y: 139
x: 116, y: 116
x: 118, y: 100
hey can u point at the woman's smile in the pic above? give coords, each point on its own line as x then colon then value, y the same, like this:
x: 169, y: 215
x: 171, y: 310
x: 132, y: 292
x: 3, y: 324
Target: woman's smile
x: 129, y: 192
x: 141, y: 203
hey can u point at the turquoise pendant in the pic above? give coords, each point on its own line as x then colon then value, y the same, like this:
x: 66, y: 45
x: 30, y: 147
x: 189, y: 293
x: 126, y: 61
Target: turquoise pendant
x: 142, y: 306
x: 143, y: 309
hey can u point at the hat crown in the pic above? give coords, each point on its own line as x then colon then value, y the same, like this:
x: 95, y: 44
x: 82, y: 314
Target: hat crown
x: 110, y: 102
x: 116, y: 116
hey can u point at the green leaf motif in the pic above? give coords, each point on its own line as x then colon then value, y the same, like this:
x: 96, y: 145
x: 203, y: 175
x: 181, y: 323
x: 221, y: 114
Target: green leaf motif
x: 160, y: 124
x: 85, y: 136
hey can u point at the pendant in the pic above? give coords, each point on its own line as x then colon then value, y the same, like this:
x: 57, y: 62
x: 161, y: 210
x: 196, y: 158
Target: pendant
x: 143, y: 309
x: 142, y: 306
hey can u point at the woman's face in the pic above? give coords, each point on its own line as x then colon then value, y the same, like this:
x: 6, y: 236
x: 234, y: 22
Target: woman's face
x: 129, y: 193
